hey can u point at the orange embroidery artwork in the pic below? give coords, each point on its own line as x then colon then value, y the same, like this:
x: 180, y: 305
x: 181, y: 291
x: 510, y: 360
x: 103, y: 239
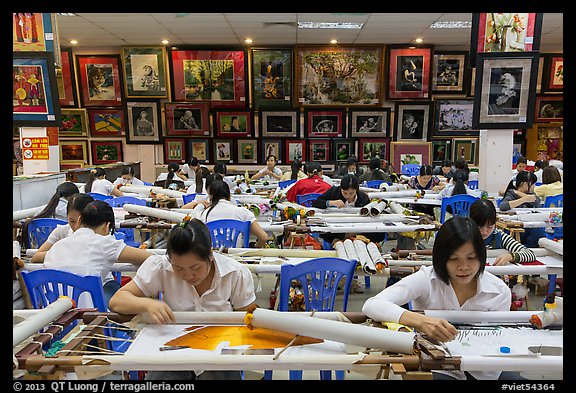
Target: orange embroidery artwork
x: 208, y: 337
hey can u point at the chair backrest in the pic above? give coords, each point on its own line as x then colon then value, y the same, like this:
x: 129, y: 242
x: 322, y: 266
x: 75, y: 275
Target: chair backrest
x: 411, y: 169
x: 319, y: 278
x: 459, y: 204
x: 554, y: 201
x: 121, y: 200
x: 189, y: 197
x: 286, y: 183
x: 146, y: 183
x: 374, y: 183
x: 306, y: 200
x: 99, y: 196
x: 44, y: 286
x: 224, y: 233
x: 473, y: 184
x: 39, y: 229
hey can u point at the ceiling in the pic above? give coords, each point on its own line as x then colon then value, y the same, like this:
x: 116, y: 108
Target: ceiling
x: 112, y: 30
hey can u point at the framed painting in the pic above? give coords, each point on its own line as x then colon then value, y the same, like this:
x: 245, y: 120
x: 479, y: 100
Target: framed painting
x: 441, y: 150
x: 247, y: 151
x: 223, y: 150
x: 107, y: 122
x: 217, y: 76
x: 35, y: 100
x: 410, y: 153
x: 144, y: 70
x: 505, y: 85
x: 369, y: 148
x: 324, y: 123
x: 370, y: 124
x: 271, y: 147
x: 466, y: 149
x: 319, y: 150
x: 187, y: 119
x: 106, y: 152
x: 72, y: 151
x: 504, y: 32
x: 410, y: 71
x: 66, y: 81
x: 295, y: 150
x: 36, y: 32
x: 74, y: 123
x: 450, y: 72
x: 279, y: 123
x: 174, y: 150
x: 549, y: 108
x: 343, y: 148
x: 453, y: 117
x: 272, y: 78
x: 100, y: 80
x: 232, y: 123
x: 144, y: 125
x: 199, y: 148
x: 553, y: 73
x: 342, y: 75
x: 412, y: 120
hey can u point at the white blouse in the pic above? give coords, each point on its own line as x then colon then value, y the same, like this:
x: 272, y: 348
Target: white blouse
x: 102, y: 186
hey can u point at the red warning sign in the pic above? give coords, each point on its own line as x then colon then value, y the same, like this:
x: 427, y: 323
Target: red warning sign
x: 35, y: 148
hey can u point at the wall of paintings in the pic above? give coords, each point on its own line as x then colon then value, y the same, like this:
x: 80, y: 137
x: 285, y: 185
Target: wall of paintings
x: 321, y: 103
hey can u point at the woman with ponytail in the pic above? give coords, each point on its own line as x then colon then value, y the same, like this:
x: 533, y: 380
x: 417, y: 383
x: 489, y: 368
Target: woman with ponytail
x: 166, y: 179
x: 459, y: 185
x: 98, y: 183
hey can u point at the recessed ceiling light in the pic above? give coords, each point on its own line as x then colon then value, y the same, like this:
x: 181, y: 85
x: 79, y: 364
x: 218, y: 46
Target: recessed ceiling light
x: 73, y: 42
x: 333, y: 41
x: 329, y: 25
x: 165, y: 42
x: 451, y: 25
x: 248, y: 40
x: 418, y: 40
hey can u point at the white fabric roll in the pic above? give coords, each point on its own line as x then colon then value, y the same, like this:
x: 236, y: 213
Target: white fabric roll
x: 15, y: 249
x: 364, y: 257
x: 365, y: 210
x: 377, y: 209
x: 154, y: 212
x: 394, y: 187
x: 557, y: 247
x: 392, y: 194
x: 362, y: 335
x: 375, y: 254
x: 471, y: 317
x: 340, y: 250
x: 26, y: 213
x: 351, y: 250
x: 396, y: 207
x: 32, y: 325
x: 508, y: 363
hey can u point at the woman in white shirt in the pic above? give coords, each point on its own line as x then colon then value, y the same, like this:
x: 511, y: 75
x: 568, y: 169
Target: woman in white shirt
x: 220, y: 207
x: 92, y: 249
x: 127, y: 178
x: 98, y: 183
x: 191, y: 278
x: 455, y: 281
x: 270, y: 172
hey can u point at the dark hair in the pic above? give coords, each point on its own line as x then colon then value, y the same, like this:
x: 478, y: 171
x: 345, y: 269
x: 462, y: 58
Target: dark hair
x: 521, y: 160
x: 461, y: 164
x: 272, y: 155
x: 539, y: 164
x: 451, y: 236
x: 295, y: 168
x: 482, y: 211
x: 521, y: 177
x: 377, y: 174
x: 218, y: 190
x: 220, y: 168
x: 194, y: 161
x: 211, y: 178
x: 97, y: 213
x: 426, y: 170
x: 78, y: 202
x: 352, y: 160
x: 349, y: 181
x: 459, y: 177
x: 375, y: 163
x: 128, y: 170
x: 172, y: 169
x: 313, y: 168
x: 191, y: 236
x: 66, y: 190
x: 94, y: 174
x: 550, y: 174
x: 446, y: 163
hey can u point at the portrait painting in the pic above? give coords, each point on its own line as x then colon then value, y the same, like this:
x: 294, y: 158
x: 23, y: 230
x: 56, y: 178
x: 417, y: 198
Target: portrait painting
x: 324, y: 123
x: 233, y: 123
x: 223, y: 150
x: 100, y: 80
x: 549, y: 108
x: 504, y: 95
x: 144, y: 122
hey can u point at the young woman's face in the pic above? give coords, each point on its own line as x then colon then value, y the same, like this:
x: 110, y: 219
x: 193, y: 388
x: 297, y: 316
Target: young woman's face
x: 271, y: 162
x: 486, y: 230
x: 424, y: 179
x: 190, y: 268
x: 523, y: 187
x: 73, y: 216
x: 463, y: 265
x: 349, y: 194
x: 127, y: 177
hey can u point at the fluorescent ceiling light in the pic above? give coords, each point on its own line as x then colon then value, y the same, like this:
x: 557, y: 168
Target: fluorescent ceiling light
x: 66, y: 14
x: 329, y: 25
x: 451, y: 25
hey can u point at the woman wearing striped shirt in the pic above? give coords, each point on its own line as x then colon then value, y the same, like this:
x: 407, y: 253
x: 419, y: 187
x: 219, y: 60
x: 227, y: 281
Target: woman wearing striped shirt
x: 483, y: 212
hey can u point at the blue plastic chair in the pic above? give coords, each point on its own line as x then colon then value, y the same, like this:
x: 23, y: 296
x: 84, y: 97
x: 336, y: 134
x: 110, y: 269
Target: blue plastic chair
x: 224, y: 233
x: 98, y: 196
x: 45, y: 286
x: 460, y: 205
x: 189, y: 198
x: 286, y: 183
x: 473, y: 184
x: 374, y: 184
x: 538, y: 184
x: 411, y: 169
x: 319, y: 278
x: 554, y: 201
x: 147, y: 183
x: 121, y: 200
x: 39, y: 229
x: 306, y: 200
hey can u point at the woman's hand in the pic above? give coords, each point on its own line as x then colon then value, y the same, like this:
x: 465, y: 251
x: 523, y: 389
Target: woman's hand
x: 503, y: 259
x: 159, y: 312
x: 437, y: 329
x: 336, y: 203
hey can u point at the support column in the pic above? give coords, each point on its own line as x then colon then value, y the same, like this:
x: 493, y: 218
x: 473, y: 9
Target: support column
x: 495, y: 165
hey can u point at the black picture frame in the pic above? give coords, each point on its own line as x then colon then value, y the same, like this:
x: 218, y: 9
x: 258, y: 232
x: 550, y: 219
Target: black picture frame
x: 453, y: 117
x: 450, y: 72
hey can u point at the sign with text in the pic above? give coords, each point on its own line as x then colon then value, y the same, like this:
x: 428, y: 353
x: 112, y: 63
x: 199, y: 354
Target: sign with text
x: 35, y: 148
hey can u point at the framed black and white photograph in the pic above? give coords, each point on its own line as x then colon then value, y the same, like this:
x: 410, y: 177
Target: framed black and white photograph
x: 279, y: 123
x: 326, y: 123
x: 453, y: 118
x: 370, y: 124
x: 450, y: 72
x: 143, y: 122
x: 412, y: 120
x: 505, y: 90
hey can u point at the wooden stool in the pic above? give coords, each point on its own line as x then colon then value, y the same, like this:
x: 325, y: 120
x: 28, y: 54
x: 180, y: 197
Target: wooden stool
x: 293, y: 236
